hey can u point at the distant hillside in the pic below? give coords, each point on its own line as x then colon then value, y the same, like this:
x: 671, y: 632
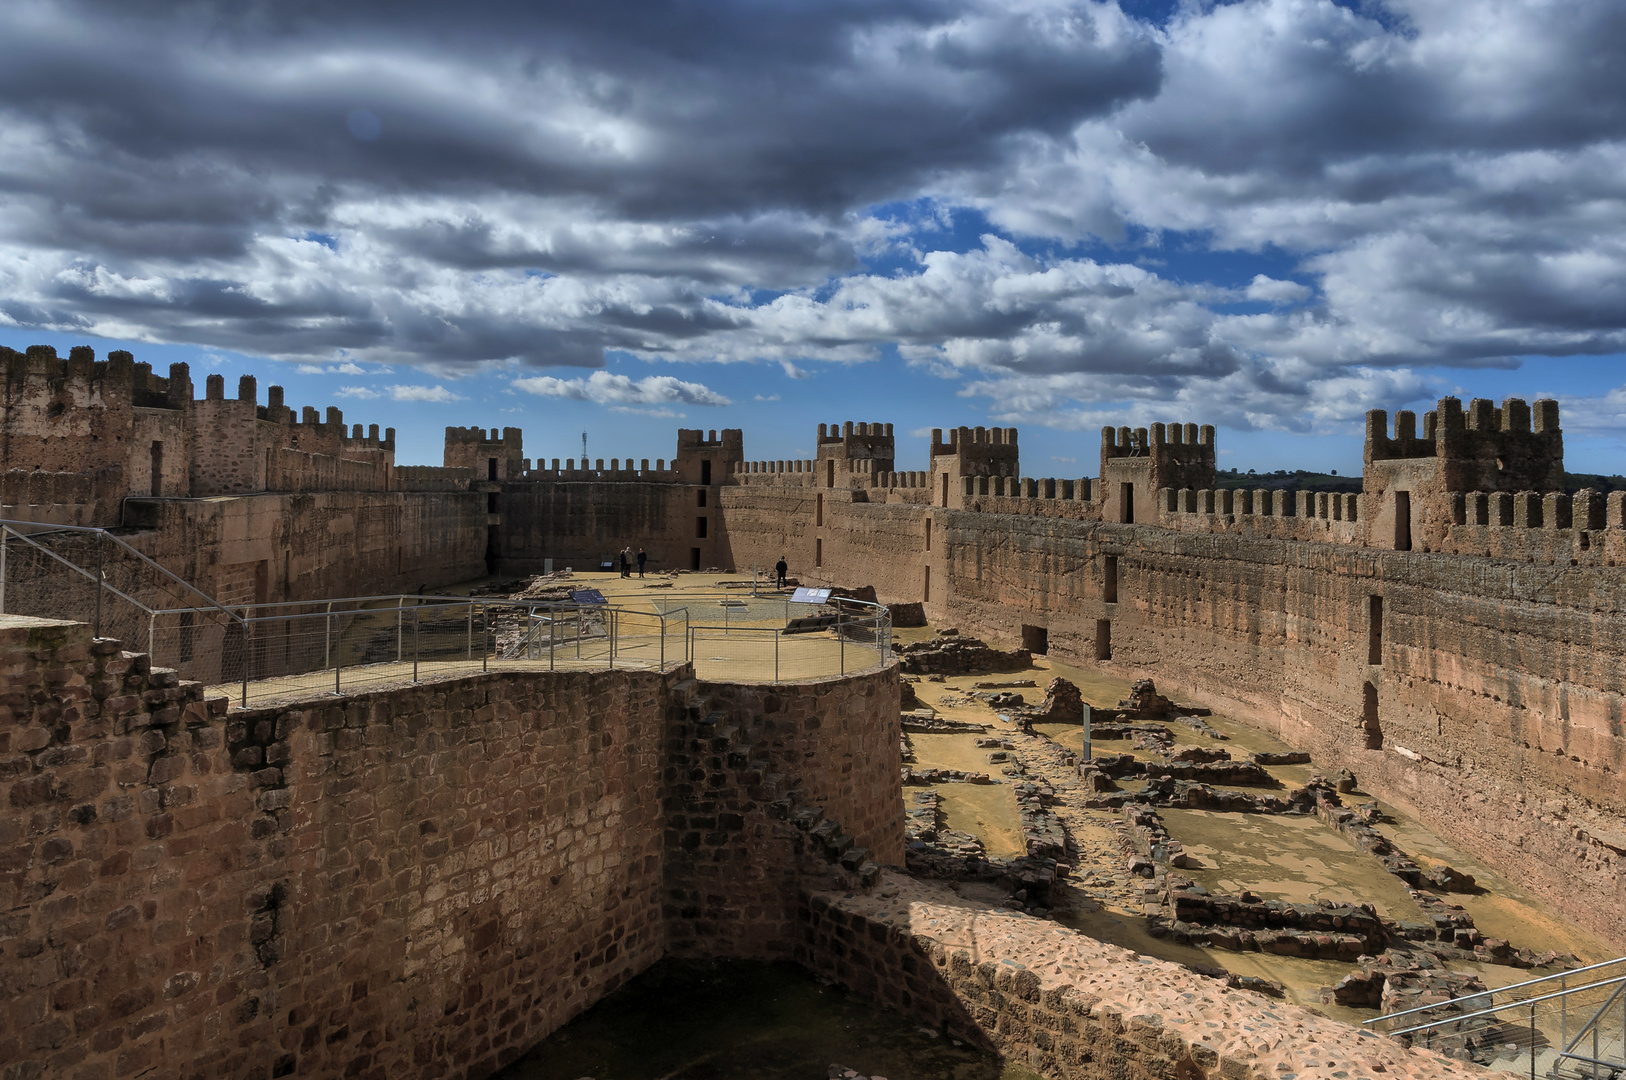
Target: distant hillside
x: 1575, y: 481
x: 1286, y: 480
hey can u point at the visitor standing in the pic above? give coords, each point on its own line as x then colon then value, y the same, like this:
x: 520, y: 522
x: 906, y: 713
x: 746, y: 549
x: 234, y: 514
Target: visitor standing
x: 642, y: 558
x: 626, y: 562
x: 781, y: 569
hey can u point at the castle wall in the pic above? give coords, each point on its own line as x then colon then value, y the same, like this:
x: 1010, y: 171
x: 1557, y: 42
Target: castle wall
x: 330, y: 543
x: 420, y: 881
x: 858, y: 543
x: 578, y: 524
x: 1499, y: 701
x: 736, y: 865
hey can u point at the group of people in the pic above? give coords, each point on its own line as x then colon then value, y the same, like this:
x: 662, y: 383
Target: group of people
x: 628, y: 558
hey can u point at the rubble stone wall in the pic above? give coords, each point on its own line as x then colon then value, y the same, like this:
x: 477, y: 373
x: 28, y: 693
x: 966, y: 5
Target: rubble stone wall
x: 1074, y: 1008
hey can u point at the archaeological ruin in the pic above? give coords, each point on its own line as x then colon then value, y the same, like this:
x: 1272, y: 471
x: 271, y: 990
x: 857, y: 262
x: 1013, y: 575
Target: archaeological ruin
x: 452, y: 825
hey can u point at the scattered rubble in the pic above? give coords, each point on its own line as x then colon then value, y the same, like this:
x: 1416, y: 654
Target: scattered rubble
x: 953, y: 655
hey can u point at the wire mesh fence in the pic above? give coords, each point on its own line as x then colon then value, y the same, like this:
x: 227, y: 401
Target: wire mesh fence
x: 258, y: 652
x: 1568, y: 1026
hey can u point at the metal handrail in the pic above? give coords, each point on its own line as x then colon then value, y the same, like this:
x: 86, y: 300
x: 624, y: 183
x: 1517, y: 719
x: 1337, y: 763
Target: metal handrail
x: 44, y: 528
x: 1496, y: 1008
x: 1513, y: 986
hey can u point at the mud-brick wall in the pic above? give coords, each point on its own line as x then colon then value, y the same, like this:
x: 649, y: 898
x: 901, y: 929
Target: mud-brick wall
x: 1495, y: 711
x: 736, y: 867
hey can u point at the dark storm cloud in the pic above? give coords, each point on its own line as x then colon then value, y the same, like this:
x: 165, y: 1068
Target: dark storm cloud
x: 424, y: 182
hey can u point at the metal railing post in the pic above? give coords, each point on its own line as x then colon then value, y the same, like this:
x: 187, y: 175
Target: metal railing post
x: 415, y: 643
x: 663, y: 642
x: 327, y: 636
x: 3, y: 531
x: 552, y: 647
x: 338, y: 653
x: 776, y: 658
x: 400, y: 614
x: 101, y: 580
x: 1532, y: 1042
x: 609, y: 632
x: 469, y: 648
x: 842, y: 638
x: 485, y: 637
x: 243, y: 701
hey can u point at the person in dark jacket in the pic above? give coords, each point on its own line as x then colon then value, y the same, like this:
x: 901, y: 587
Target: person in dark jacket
x: 642, y: 558
x: 781, y: 569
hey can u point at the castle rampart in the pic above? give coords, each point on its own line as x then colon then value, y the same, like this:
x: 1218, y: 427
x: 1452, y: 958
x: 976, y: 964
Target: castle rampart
x: 420, y: 881
x: 1498, y: 636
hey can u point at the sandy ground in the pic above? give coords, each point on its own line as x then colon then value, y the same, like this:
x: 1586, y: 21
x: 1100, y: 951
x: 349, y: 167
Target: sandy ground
x: 1297, y: 859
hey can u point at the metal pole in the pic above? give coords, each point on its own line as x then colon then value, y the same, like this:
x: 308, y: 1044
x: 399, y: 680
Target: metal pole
x: 470, y: 642
x: 609, y: 632
x: 338, y: 661
x: 400, y: 617
x: 663, y: 642
x: 246, y: 655
x: 3, y: 531
x: 776, y: 658
x: 1532, y: 1042
x: 414, y: 642
x: 552, y: 648
x: 327, y: 636
x: 485, y: 637
x: 842, y: 638
x: 100, y: 582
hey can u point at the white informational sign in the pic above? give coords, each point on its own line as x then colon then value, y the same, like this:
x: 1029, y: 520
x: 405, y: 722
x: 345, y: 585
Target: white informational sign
x: 810, y: 596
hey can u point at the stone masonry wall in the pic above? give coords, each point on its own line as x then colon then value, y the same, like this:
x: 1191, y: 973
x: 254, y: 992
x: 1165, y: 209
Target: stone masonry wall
x: 416, y: 882
x: 736, y: 864
x: 577, y: 524
x: 1496, y: 705
x: 420, y: 881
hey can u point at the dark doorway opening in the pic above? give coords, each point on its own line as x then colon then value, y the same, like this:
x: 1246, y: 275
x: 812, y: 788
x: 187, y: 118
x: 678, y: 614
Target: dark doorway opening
x: 694, y: 558
x: 491, y: 468
x: 1126, y: 502
x: 1374, y: 630
x: 157, y: 469
x: 1370, y: 727
x: 1036, y: 639
x: 1109, y: 588
x: 1402, y: 521
x: 705, y: 471
x: 1103, y: 639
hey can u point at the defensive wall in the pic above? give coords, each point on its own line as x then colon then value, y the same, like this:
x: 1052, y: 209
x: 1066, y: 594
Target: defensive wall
x: 1452, y: 632
x: 419, y: 881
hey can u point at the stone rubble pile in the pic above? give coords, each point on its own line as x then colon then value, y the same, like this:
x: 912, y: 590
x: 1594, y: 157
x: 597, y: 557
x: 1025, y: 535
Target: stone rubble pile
x: 958, y: 656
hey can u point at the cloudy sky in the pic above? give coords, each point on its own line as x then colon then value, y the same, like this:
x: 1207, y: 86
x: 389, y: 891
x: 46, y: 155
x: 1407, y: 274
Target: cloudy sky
x: 626, y: 217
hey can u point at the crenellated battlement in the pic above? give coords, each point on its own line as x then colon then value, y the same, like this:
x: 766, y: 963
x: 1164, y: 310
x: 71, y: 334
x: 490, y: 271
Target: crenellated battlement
x: 1484, y: 447
x: 1137, y: 462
